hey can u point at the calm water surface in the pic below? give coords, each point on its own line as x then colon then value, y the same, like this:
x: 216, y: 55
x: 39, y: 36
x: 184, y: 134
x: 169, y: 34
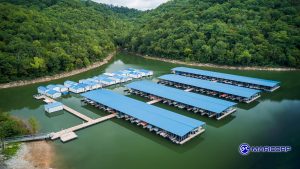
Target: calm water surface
x: 272, y: 120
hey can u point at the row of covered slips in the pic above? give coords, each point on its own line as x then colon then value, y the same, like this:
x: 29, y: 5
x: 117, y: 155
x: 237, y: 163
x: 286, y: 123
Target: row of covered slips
x: 137, y: 73
x: 52, y: 90
x: 76, y: 87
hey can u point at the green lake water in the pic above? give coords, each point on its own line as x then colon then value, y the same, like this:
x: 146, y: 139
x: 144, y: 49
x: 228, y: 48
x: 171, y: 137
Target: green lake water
x: 274, y: 119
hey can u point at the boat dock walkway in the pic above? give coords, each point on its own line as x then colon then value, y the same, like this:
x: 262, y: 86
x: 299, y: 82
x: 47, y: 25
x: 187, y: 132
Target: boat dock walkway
x: 76, y: 113
x: 25, y: 138
x: 70, y: 110
x: 80, y: 126
x: 68, y: 134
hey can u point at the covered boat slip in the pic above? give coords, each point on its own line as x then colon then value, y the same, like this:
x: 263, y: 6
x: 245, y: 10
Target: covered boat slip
x: 249, y: 82
x: 221, y: 90
x: 196, y: 103
x: 173, y: 126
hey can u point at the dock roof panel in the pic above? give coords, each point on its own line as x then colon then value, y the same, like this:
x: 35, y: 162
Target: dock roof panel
x: 200, y: 101
x: 244, y: 79
x: 164, y: 119
x: 52, y: 105
x: 220, y: 87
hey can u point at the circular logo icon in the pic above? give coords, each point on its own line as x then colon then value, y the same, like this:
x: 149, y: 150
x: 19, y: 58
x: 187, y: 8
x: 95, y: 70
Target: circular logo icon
x: 244, y: 149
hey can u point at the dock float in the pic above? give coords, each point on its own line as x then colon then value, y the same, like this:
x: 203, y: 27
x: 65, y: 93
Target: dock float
x: 61, y: 134
x: 237, y: 80
x: 204, y: 105
x: 220, y: 90
x: 68, y: 134
x: 175, y: 127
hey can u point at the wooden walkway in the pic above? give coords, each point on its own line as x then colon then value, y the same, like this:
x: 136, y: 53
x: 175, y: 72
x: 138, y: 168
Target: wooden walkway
x: 70, y: 110
x: 68, y: 134
x: 81, y: 126
x: 24, y: 138
x: 76, y: 113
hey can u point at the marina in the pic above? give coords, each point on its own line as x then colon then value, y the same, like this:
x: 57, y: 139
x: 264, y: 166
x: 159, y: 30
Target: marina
x: 204, y: 105
x: 177, y: 128
x: 243, y: 81
x: 113, y: 139
x: 220, y: 90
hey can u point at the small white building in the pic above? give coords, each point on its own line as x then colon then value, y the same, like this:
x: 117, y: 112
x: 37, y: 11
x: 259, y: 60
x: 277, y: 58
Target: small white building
x: 53, y: 107
x: 108, y: 81
x: 146, y: 72
x: 135, y: 75
x: 53, y: 94
x: 62, y: 88
x: 69, y: 83
x: 117, y: 80
x: 53, y: 87
x: 42, y: 90
x: 76, y: 89
x: 85, y: 86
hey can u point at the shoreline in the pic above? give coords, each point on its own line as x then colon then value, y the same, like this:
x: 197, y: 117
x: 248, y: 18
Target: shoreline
x: 217, y: 66
x: 32, y: 155
x: 58, y: 76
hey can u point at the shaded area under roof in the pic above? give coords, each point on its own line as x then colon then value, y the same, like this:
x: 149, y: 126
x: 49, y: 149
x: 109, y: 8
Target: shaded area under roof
x: 244, y: 79
x: 200, y: 101
x: 219, y: 87
x: 172, y: 122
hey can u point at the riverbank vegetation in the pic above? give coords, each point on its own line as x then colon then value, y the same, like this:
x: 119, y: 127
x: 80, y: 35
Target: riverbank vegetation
x: 11, y: 127
x: 250, y: 33
x: 47, y: 37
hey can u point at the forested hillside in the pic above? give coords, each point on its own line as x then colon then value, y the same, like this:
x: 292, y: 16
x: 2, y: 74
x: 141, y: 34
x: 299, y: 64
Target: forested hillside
x: 46, y: 37
x: 250, y: 32
x: 42, y: 37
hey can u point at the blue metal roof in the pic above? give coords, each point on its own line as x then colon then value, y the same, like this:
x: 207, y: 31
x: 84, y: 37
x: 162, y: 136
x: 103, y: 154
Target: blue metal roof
x: 61, y: 86
x: 51, y: 92
x: 52, y: 105
x: 77, y: 86
x: 220, y: 87
x: 51, y: 86
x: 42, y: 88
x: 164, y: 119
x: 188, y: 98
x: 69, y: 82
x: 82, y: 85
x: 244, y: 79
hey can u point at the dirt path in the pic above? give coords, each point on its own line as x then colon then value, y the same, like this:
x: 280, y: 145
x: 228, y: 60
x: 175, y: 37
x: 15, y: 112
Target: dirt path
x: 33, y: 155
x: 218, y: 66
x: 58, y: 76
x: 40, y: 154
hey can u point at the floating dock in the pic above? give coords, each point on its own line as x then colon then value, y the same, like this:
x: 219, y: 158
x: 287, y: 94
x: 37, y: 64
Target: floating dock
x: 68, y: 134
x: 244, y: 81
x: 204, y: 105
x: 221, y: 90
x: 178, y: 128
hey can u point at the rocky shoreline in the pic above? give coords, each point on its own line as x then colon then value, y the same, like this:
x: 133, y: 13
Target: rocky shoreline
x: 219, y: 66
x: 33, y: 155
x: 58, y: 76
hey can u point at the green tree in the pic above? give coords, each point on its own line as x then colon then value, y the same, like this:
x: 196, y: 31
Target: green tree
x: 34, y: 125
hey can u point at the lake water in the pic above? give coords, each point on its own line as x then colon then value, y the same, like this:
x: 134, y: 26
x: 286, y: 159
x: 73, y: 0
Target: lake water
x: 272, y: 120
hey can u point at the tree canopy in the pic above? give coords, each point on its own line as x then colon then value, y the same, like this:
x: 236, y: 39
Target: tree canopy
x: 251, y: 32
x: 44, y: 37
